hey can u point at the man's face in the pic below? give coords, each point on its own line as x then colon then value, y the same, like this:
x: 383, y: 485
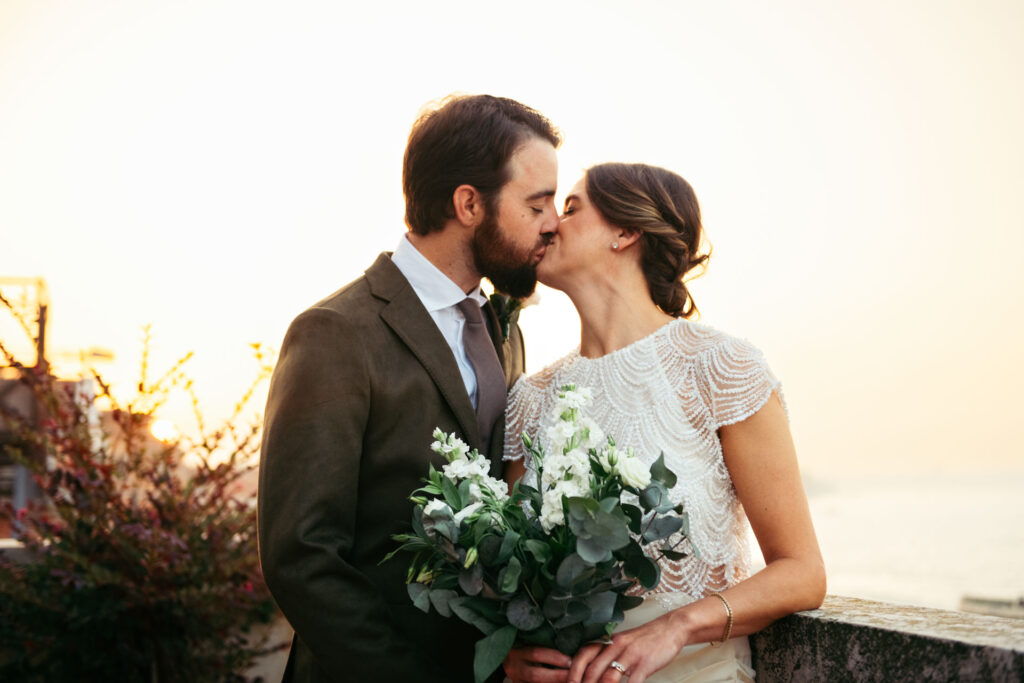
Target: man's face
x: 512, y: 239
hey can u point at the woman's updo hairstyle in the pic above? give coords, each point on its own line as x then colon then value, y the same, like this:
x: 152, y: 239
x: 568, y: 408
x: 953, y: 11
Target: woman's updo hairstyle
x: 663, y: 208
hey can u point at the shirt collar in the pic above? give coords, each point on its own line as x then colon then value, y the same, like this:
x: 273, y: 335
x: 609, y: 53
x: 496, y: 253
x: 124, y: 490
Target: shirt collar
x: 435, y: 289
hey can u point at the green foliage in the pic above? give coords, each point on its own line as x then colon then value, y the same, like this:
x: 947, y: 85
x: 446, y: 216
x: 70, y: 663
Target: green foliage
x: 491, y: 561
x: 143, y: 555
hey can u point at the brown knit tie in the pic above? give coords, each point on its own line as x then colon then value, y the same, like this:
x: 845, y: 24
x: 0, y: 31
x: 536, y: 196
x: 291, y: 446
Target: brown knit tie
x: 490, y: 378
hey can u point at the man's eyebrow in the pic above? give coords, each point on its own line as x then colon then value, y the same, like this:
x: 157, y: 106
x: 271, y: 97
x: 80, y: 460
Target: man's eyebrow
x: 543, y: 194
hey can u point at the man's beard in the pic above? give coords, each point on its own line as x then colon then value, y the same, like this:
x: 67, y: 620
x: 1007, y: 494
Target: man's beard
x: 509, y: 269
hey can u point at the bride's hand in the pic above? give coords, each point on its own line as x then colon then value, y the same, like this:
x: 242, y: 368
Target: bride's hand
x: 536, y: 665
x: 640, y: 651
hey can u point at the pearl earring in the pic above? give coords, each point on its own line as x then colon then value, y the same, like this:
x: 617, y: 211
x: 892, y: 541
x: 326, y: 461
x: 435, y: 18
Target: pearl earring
x: 615, y: 245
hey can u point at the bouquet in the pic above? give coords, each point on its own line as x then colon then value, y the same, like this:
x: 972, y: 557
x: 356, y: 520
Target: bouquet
x: 551, y: 563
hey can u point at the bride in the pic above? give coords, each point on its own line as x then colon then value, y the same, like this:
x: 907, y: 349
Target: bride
x: 628, y: 236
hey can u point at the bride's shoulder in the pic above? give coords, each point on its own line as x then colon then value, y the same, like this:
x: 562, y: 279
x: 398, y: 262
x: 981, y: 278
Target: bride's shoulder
x: 692, y: 340
x: 543, y: 380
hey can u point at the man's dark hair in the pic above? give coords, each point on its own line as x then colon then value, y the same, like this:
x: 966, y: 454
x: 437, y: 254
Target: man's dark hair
x: 467, y: 140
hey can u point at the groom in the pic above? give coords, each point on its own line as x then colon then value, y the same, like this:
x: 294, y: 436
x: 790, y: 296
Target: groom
x: 365, y: 376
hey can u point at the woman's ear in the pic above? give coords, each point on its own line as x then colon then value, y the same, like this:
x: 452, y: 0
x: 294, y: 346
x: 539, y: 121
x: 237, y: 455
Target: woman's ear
x: 469, y: 205
x: 626, y: 238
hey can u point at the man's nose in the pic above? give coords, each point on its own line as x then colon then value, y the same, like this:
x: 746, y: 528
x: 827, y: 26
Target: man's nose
x: 550, y: 226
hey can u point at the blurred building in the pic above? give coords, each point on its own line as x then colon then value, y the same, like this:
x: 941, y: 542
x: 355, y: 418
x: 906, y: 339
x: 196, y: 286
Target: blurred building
x: 18, y: 409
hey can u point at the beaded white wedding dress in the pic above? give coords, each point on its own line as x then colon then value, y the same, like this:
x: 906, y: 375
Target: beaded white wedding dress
x: 669, y: 393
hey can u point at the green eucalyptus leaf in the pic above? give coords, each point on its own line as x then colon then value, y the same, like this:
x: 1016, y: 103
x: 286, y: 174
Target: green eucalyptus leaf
x: 592, y: 550
x: 655, y: 497
x: 571, y: 569
x: 472, y: 613
x: 417, y: 521
x: 440, y: 599
x: 634, y: 514
x: 674, y: 554
x: 582, y: 508
x: 659, y: 472
x: 508, y: 546
x: 601, y: 606
x: 491, y: 651
x: 471, y: 580
x: 464, y: 494
x: 643, y: 569
x: 445, y: 581
x: 662, y: 527
x: 451, y: 494
x: 556, y: 605
x: 420, y: 595
x: 576, y: 612
x: 627, y: 602
x: 568, y: 640
x: 523, y: 614
x: 508, y: 578
x: 543, y: 636
x: 540, y: 550
x: 488, y: 550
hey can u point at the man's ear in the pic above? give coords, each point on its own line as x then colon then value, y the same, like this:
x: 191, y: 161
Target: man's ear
x: 469, y: 205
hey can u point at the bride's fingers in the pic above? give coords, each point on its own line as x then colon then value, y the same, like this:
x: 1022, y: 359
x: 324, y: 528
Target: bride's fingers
x: 545, y: 655
x: 581, y: 660
x: 601, y: 665
x: 531, y: 665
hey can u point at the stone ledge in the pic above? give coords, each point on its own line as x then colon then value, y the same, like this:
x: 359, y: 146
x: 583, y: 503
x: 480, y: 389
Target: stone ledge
x: 850, y: 639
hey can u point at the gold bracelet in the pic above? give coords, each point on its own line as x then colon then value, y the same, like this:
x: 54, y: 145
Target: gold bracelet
x: 728, y: 621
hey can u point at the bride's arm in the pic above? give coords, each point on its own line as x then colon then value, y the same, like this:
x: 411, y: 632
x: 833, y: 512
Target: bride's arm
x: 514, y: 471
x: 762, y: 462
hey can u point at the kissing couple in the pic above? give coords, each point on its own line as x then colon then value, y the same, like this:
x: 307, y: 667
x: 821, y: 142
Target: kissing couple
x: 367, y: 374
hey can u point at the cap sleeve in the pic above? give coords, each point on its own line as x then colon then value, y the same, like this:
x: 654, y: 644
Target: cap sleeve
x: 736, y: 380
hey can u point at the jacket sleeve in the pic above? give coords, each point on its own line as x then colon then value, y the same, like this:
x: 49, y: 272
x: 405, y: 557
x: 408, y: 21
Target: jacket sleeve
x: 316, y: 416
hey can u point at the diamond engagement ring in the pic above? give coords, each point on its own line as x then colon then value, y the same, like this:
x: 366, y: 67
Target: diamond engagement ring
x: 618, y: 667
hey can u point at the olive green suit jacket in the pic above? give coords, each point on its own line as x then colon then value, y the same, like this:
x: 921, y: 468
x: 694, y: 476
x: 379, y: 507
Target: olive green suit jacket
x: 362, y: 380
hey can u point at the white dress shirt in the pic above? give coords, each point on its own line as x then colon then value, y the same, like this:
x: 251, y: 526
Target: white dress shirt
x: 439, y: 296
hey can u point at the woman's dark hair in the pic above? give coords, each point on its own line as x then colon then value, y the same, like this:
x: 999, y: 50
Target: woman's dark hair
x: 466, y: 140
x: 663, y: 208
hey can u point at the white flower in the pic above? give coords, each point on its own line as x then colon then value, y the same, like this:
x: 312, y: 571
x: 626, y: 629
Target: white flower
x: 608, y: 457
x: 457, y: 449
x: 467, y: 511
x: 559, y: 434
x: 575, y: 399
x: 497, y: 487
x: 466, y: 469
x: 449, y: 445
x: 555, y: 467
x: 633, y: 472
x: 435, y: 505
x: 573, y: 488
x: 578, y: 464
x: 593, y: 436
x: 551, y: 514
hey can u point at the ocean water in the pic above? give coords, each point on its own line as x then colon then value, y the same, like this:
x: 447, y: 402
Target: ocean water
x: 925, y: 540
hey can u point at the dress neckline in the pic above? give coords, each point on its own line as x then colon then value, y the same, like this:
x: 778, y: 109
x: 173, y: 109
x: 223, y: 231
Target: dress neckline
x: 575, y: 355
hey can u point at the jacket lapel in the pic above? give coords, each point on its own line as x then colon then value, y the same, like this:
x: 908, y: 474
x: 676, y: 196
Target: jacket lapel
x: 406, y: 316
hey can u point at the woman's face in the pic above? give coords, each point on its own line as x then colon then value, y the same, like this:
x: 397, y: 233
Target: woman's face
x: 582, y: 244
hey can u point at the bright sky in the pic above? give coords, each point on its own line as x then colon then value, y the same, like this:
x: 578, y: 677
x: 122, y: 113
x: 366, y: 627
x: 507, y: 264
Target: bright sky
x: 213, y: 167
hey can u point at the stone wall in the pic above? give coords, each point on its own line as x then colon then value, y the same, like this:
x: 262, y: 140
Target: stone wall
x: 849, y: 639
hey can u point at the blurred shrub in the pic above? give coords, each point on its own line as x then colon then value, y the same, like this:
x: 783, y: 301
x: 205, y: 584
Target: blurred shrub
x: 144, y: 564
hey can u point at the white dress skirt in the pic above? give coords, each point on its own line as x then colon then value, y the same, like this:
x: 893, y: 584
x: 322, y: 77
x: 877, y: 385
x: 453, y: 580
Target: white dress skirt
x: 697, y: 663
